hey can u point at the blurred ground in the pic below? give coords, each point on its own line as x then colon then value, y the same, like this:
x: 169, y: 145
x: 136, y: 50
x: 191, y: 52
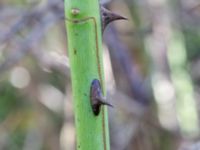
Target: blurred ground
x: 152, y: 75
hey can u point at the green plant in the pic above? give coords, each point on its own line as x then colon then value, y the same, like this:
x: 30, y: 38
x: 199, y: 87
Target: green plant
x: 85, y: 52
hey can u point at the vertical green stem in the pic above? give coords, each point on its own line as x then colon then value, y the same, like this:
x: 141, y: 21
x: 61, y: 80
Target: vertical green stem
x: 85, y: 52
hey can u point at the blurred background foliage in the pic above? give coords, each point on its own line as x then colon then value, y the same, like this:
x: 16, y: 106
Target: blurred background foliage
x: 152, y: 72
